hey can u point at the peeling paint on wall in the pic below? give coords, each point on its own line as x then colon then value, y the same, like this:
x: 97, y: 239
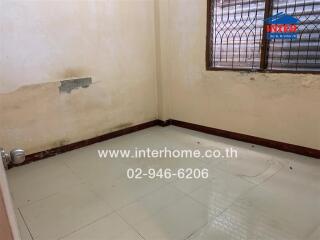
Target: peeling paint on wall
x: 68, y: 85
x: 62, y: 43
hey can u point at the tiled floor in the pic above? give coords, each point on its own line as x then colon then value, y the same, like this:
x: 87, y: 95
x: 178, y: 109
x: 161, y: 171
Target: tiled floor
x: 263, y: 194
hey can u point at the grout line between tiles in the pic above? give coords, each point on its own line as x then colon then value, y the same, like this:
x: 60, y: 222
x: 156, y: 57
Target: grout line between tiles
x: 142, y: 196
x: 234, y: 202
x: 223, y: 211
x: 37, y: 200
x: 25, y: 223
x: 167, y: 184
x: 73, y: 172
x: 130, y: 225
x: 255, y: 185
x: 163, y: 207
x: 89, y: 186
x: 85, y: 226
x: 48, y: 196
x: 309, y: 235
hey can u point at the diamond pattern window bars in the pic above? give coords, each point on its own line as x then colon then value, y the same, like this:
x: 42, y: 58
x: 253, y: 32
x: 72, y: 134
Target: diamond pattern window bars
x: 237, y: 36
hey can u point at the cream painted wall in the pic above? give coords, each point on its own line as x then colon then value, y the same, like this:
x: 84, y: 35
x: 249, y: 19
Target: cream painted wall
x: 281, y: 107
x: 43, y: 42
x: 147, y: 60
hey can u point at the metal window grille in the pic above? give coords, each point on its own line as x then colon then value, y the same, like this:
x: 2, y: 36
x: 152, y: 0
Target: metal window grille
x: 237, y: 36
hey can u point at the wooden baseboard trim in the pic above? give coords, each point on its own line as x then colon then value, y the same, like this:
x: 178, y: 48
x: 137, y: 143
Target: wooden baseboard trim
x: 287, y: 147
x: 164, y: 123
x: 69, y: 147
x: 213, y: 131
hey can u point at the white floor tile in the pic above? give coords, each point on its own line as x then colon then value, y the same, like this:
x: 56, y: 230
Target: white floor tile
x: 253, y: 166
x: 109, y: 228
x: 38, y: 180
x: 290, y: 195
x: 178, y: 221
x: 241, y: 222
x: 263, y: 194
x: 91, y: 169
x: 63, y: 213
x: 125, y: 191
x: 221, y: 192
x: 150, y: 204
x: 24, y: 232
x: 315, y: 235
x: 190, y: 185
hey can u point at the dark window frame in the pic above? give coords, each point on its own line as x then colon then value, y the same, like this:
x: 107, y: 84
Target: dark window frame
x: 264, y: 47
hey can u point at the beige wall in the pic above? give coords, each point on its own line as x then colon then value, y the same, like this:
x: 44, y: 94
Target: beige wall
x: 147, y: 60
x: 282, y: 107
x: 43, y: 42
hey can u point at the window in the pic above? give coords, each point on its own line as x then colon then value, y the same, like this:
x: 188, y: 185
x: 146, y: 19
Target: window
x: 237, y: 35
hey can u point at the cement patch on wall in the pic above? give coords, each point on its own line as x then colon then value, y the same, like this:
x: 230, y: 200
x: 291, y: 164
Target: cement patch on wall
x: 47, y: 98
x: 71, y: 84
